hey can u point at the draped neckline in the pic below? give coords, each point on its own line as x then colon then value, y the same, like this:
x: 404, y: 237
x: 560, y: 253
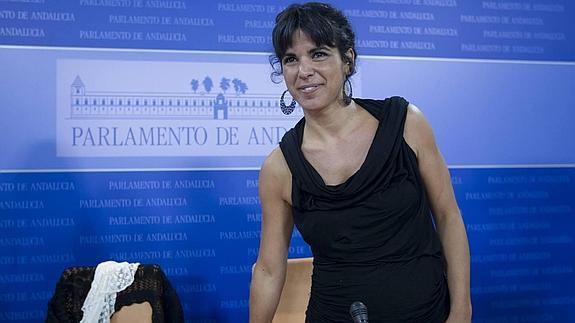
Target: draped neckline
x: 317, y: 178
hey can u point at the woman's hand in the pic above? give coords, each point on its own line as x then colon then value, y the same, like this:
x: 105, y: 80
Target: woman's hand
x: 459, y: 316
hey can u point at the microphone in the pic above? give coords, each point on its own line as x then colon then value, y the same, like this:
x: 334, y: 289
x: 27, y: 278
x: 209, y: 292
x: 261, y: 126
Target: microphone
x: 358, y: 312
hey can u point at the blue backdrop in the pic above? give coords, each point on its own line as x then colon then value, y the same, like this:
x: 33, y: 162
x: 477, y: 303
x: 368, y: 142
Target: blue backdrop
x: 133, y: 130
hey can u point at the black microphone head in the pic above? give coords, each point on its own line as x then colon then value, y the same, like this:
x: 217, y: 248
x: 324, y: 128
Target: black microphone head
x: 358, y: 312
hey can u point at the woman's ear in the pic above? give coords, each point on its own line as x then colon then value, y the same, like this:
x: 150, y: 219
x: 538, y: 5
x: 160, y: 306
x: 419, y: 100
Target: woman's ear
x: 349, y: 61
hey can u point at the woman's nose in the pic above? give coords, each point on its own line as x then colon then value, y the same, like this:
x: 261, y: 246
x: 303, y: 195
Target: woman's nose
x: 305, y: 69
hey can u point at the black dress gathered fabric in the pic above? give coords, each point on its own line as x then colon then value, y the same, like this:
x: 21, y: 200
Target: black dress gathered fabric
x: 150, y: 285
x: 372, y: 237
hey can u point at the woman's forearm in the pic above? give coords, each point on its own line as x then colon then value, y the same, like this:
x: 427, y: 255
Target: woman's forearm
x: 265, y: 291
x: 456, y: 248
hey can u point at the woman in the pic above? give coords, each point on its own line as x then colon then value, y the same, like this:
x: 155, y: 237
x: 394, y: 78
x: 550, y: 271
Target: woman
x: 358, y: 178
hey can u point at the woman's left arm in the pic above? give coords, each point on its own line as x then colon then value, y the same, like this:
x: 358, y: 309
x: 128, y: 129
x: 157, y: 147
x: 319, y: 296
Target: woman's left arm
x: 448, y: 220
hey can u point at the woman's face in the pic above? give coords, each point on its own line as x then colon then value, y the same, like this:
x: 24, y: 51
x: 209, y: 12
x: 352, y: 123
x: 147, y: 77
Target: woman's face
x: 314, y: 75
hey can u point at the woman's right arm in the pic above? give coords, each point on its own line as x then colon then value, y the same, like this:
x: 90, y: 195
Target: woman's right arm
x: 277, y: 224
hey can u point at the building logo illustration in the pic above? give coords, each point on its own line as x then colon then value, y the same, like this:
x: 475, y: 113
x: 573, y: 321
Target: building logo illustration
x: 203, y: 105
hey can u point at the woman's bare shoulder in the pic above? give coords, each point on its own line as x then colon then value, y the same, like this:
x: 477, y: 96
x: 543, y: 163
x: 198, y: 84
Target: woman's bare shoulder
x: 275, y: 164
x: 275, y: 175
x: 417, y: 131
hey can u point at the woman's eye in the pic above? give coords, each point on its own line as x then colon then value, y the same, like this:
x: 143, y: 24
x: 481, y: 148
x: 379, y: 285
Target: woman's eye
x: 289, y: 60
x: 319, y: 55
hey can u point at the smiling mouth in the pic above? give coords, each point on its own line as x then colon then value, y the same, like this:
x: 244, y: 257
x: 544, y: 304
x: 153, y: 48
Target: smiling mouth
x: 308, y: 88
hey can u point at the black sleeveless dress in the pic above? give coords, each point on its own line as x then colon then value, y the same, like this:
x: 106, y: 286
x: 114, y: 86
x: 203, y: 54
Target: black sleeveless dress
x: 372, y: 237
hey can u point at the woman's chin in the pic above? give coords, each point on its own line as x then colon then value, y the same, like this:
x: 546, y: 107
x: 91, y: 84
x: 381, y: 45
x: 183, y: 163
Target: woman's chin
x: 313, y: 103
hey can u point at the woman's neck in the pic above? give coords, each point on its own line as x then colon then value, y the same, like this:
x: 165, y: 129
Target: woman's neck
x: 329, y: 123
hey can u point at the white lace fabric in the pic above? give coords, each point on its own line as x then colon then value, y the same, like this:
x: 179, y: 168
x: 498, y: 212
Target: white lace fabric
x: 110, y: 278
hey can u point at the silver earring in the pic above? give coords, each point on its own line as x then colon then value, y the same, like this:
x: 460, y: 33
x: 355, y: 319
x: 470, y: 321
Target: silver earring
x: 286, y: 109
x: 347, y: 88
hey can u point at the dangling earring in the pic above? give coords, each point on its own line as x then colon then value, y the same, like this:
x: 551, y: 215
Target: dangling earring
x: 347, y: 88
x: 286, y: 109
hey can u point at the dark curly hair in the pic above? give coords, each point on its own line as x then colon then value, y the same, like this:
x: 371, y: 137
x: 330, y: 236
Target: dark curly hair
x: 323, y: 23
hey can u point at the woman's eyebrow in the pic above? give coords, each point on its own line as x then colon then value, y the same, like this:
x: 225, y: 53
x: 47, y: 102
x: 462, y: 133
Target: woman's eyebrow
x: 318, y: 48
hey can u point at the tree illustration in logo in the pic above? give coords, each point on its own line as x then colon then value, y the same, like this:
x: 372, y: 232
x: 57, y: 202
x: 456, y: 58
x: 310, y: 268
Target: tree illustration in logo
x: 225, y: 84
x: 239, y: 86
x: 243, y: 87
x: 208, y: 84
x: 194, y: 84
